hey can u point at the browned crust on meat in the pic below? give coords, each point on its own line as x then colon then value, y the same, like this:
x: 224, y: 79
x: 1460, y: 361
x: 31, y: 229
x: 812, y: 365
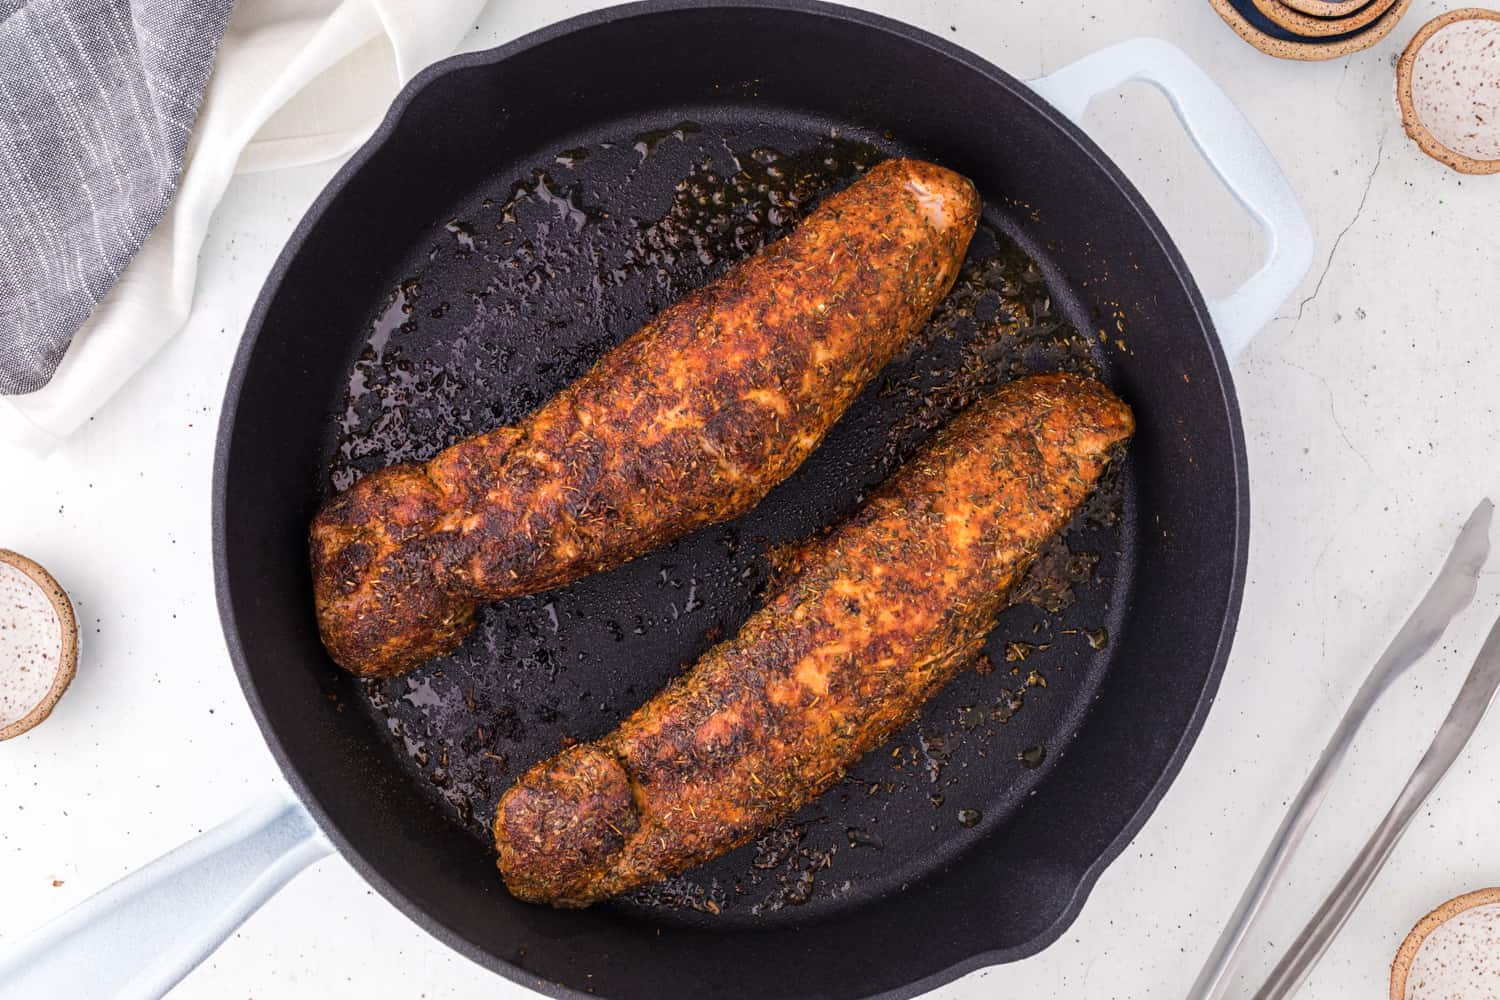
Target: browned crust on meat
x: 879, y: 615
x: 689, y: 422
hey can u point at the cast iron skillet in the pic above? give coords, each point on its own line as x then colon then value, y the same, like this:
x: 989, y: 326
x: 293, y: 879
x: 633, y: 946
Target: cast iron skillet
x: 442, y: 284
x: 930, y: 904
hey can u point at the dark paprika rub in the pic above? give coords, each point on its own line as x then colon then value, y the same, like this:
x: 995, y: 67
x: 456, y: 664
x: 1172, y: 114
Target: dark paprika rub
x: 689, y: 422
x: 879, y: 614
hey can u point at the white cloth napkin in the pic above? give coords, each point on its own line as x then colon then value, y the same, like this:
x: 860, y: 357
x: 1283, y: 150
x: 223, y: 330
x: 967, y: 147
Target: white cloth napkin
x: 296, y: 81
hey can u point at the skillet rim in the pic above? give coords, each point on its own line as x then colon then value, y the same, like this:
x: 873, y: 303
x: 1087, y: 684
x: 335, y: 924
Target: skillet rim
x: 370, y: 870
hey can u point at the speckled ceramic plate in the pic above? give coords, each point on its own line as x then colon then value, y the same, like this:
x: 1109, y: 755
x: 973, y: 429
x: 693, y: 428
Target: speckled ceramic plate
x: 1308, y: 26
x: 1407, y: 71
x: 67, y: 660
x: 1271, y: 38
x: 1407, y: 953
x: 1326, y: 8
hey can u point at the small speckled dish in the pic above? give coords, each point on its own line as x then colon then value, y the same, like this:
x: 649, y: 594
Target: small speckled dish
x: 1448, y: 85
x: 1247, y: 20
x: 1454, y: 951
x: 1326, y: 8
x: 66, y: 652
x: 1308, y: 26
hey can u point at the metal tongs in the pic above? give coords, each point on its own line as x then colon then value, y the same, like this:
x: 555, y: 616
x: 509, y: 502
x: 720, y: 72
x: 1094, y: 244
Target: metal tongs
x: 1449, y: 594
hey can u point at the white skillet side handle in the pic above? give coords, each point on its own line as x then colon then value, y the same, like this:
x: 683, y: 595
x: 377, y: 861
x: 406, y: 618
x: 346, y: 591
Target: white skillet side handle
x: 137, y: 939
x: 1232, y: 148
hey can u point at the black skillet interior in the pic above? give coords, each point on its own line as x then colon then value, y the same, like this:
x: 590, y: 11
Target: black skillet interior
x: 503, y: 304
x: 523, y: 210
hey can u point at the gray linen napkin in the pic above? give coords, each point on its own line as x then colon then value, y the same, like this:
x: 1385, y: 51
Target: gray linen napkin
x: 97, y: 103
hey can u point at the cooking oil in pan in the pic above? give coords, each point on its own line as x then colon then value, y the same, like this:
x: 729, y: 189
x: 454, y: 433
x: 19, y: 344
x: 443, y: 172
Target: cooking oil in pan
x: 514, y: 295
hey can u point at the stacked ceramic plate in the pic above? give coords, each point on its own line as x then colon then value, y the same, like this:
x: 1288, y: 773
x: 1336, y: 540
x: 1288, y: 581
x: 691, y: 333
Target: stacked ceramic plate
x: 1311, y: 29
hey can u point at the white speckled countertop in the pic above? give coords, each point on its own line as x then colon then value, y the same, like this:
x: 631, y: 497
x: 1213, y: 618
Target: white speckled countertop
x: 1370, y: 411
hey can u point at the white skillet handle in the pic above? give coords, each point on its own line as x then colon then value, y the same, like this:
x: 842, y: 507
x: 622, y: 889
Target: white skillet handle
x: 139, y: 937
x: 1231, y: 146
